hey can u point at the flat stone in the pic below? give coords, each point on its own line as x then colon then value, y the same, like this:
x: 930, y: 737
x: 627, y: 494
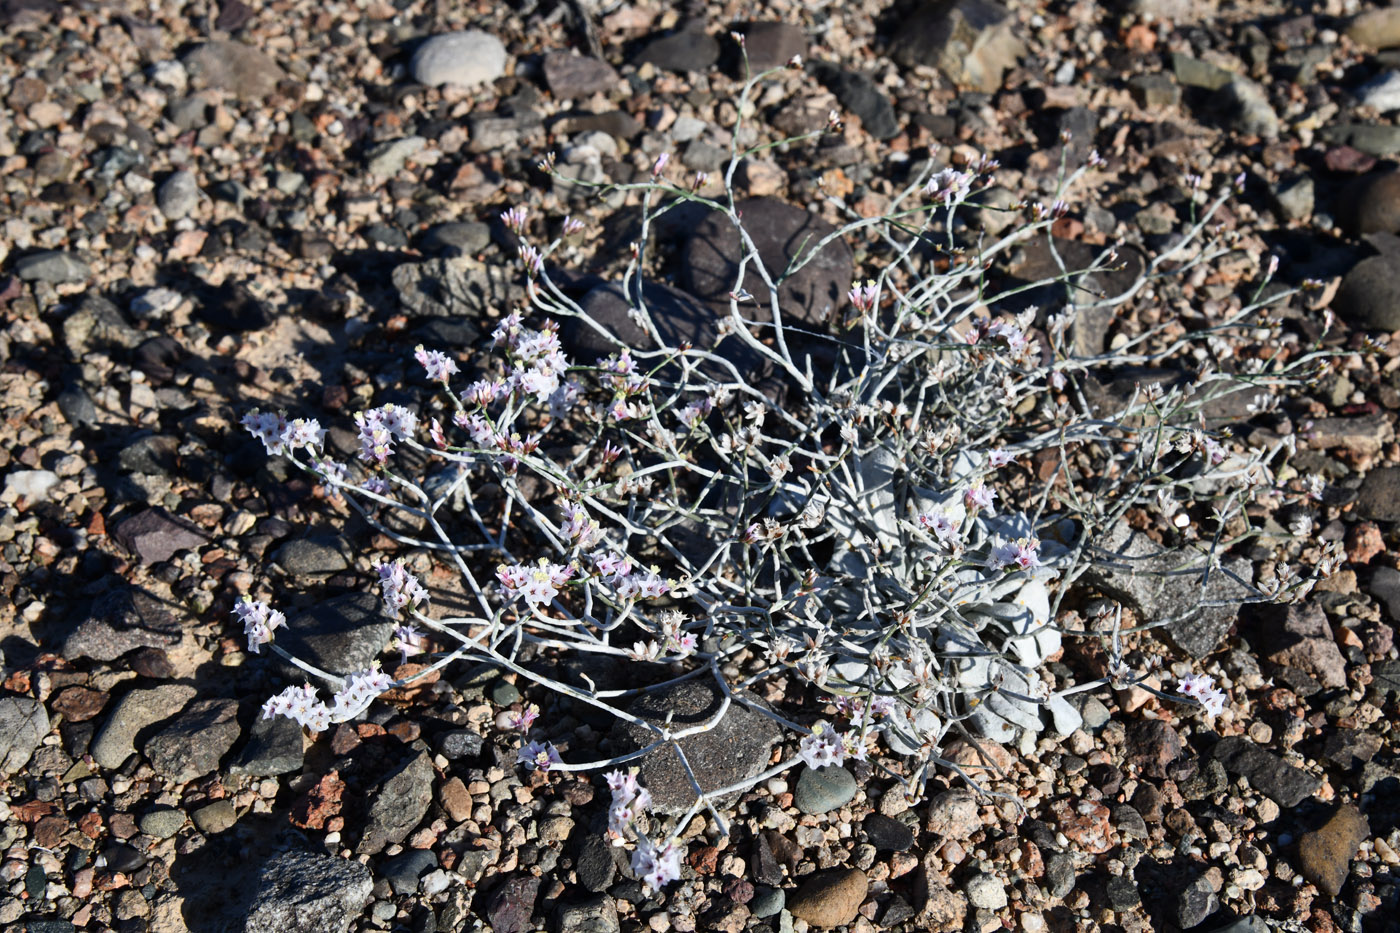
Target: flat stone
x: 453, y: 287
x: 162, y: 822
x: 1250, y: 112
x: 316, y: 555
x: 687, y: 50
x: 971, y: 41
x: 986, y: 892
x: 403, y: 871
x: 769, y: 44
x: 596, y: 865
x: 570, y: 76
x: 457, y: 238
x: 1269, y: 774
x: 1371, y: 204
x: 1372, y: 139
x: 387, y: 158
x: 53, y: 266
x: 861, y: 96
x: 735, y: 750
x: 807, y: 297
x: 154, y: 535
x: 767, y: 901
x: 953, y: 814
x: 216, y: 817
x: 467, y: 59
x: 512, y: 904
x: 30, y: 485
x: 235, y: 307
x: 193, y: 744
x: 1152, y: 745
x: 1130, y: 567
x: 23, y: 725
x: 595, y: 915
x: 886, y: 833
x: 1350, y: 749
x: 120, y: 621
x: 821, y: 790
x: 396, y: 808
x: 1325, y: 854
x: 1195, y: 903
x: 1381, y: 93
x: 1376, y: 29
x: 97, y: 325
x: 341, y: 635
x: 1364, y: 435
x: 240, y: 69
x: 137, y: 710
x: 309, y: 893
x: 829, y: 898
x: 940, y: 907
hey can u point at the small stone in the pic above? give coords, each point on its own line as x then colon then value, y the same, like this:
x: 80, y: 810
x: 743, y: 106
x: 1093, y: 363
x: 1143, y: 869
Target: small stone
x: 1195, y: 903
x: 829, y: 898
x: 688, y: 50
x: 215, y: 818
x: 455, y: 800
x: 1267, y: 773
x: 1376, y: 29
x: 1372, y: 139
x: 162, y: 822
x: 821, y: 790
x: 1122, y: 893
x: 1371, y: 204
x: 1299, y: 636
x: 767, y: 902
x: 941, y: 907
x: 1192, y: 72
x: 1085, y: 822
x: 1250, y: 111
x: 154, y: 535
x: 1059, y: 874
x: 971, y: 41
x: 23, y: 725
x: 887, y: 834
x: 274, y: 747
x: 240, y: 69
x: 1325, y: 854
x: 386, y: 159
x: 309, y: 893
x: 178, y: 196
x: 954, y: 814
x: 1364, y: 435
x: 1379, y: 497
x: 30, y: 485
x: 467, y: 59
x: 155, y: 303
x: 318, y: 555
x: 342, y: 635
x: 595, y: 864
x: 194, y: 743
x: 1381, y: 93
x: 233, y: 306
x: 79, y: 704
x: 571, y: 76
x: 53, y: 266
x: 403, y: 871
x: 457, y: 744
x: 114, y: 743
x: 1152, y: 745
x: 1295, y: 201
x: 512, y: 904
x: 398, y: 805
x: 457, y: 239
x: 769, y: 45
x: 120, y: 621
x: 986, y: 892
x: 760, y: 178
x: 597, y: 915
x: 862, y: 97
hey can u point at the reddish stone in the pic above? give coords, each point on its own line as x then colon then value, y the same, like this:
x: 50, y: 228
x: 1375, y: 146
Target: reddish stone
x: 123, y: 825
x: 1349, y: 160
x: 48, y: 832
x: 320, y: 804
x: 704, y: 860
x: 90, y: 824
x: 1085, y: 823
x: 79, y: 704
x: 1363, y: 542
x: 345, y: 740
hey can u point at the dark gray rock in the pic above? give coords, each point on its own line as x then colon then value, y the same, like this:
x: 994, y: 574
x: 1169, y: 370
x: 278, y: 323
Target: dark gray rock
x: 194, y: 743
x: 596, y: 915
x: 1122, y: 893
x: 340, y: 635
x: 120, y: 621
x: 1267, y: 773
x: 457, y: 238
x: 1369, y: 298
x: 1152, y: 745
x: 1196, y: 902
x: 96, y: 324
x: 1248, y: 109
x: 309, y: 893
x: 274, y: 747
x: 1379, y: 141
x: 970, y: 41
x: 862, y: 97
x: 136, y: 711
x: 1379, y: 496
x: 887, y: 833
x: 735, y: 750
x: 512, y: 904
x: 616, y: 123
x: 1300, y: 637
x: 240, y: 69
x: 768, y: 901
x: 403, y: 871
x: 78, y: 407
x: 154, y: 535
x: 316, y: 555
x: 807, y: 297
x: 769, y: 45
x: 456, y: 287
x: 1130, y: 567
x: 458, y: 744
x: 1350, y: 749
x: 53, y: 266
x: 821, y: 790
x: 687, y: 50
x: 233, y: 306
x: 23, y: 725
x: 569, y: 76
x: 1246, y: 925
x: 1059, y: 874
x: 398, y: 805
x: 596, y: 863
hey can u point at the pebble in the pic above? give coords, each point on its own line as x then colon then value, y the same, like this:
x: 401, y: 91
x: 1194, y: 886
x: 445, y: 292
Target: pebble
x: 862, y: 97
x: 397, y: 805
x: 342, y: 634
x: 768, y: 45
x: 155, y: 304
x: 162, y: 822
x: 240, y: 69
x: 986, y: 892
x: 687, y: 50
x: 829, y: 898
x: 1299, y: 636
x: 953, y: 814
x: 403, y: 871
x: 971, y: 41
x: 215, y: 818
x: 821, y: 790
x: 1295, y: 200
x: 53, y: 266
x: 512, y: 904
x: 466, y: 59
x: 30, y: 485
x: 1325, y: 854
x: 1267, y: 773
x: 154, y: 535
x: 572, y: 76
x: 1375, y: 204
x: 767, y: 902
x: 1376, y: 29
x: 1379, y: 497
x: 387, y: 158
x: 596, y: 915
x: 596, y: 865
x: 178, y: 196
x: 1381, y: 93
x: 887, y: 834
x: 317, y: 555
x: 195, y: 741
x: 457, y: 239
x: 1195, y: 903
x: 456, y: 744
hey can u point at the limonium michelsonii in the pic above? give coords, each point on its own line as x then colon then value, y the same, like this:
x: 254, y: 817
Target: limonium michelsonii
x: 302, y: 705
x: 537, y: 586
x: 401, y: 588
x: 825, y: 747
x: 657, y: 867
x: 259, y: 622
x: 1201, y: 687
x: 1021, y: 554
x: 380, y: 428
x: 278, y: 435
x: 539, y: 756
x: 629, y: 801
x: 864, y: 297
x: 438, y: 365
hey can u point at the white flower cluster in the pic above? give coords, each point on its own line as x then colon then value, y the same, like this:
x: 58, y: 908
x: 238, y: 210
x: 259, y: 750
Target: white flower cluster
x: 278, y: 435
x: 259, y: 622
x: 656, y: 866
x: 380, y: 428
x: 401, y: 588
x: 824, y: 747
x: 302, y: 704
x: 1201, y: 688
x: 538, y: 585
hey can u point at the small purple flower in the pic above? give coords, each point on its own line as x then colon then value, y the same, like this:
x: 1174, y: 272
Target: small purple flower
x: 979, y: 496
x: 439, y: 366
x: 539, y: 756
x: 660, y: 165
x: 514, y: 219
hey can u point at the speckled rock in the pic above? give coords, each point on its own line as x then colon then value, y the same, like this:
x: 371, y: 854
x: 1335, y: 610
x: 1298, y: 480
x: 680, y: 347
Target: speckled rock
x: 23, y: 725
x: 466, y: 58
x: 1325, y: 854
x: 308, y: 893
x: 829, y: 898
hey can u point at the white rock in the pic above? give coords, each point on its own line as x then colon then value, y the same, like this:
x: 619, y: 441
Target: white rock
x: 1065, y: 717
x: 1382, y: 92
x: 464, y: 58
x: 31, y: 485
x: 156, y: 303
x: 986, y: 892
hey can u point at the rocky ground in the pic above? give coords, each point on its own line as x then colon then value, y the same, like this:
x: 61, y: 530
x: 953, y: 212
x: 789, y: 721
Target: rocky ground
x: 212, y: 206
